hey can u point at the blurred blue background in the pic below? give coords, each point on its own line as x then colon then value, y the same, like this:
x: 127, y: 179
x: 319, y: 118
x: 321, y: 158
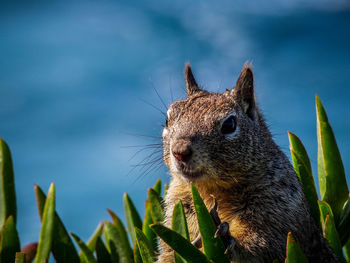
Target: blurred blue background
x: 76, y: 79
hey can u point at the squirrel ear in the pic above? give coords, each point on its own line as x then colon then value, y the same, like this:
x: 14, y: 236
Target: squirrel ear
x: 244, y: 91
x: 191, y: 84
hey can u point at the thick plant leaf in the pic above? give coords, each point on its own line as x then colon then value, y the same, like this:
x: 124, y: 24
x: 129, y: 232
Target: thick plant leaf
x: 213, y: 246
x: 157, y: 212
x: 8, y: 204
x: 47, y: 227
x: 62, y: 246
x: 137, y: 255
x: 111, y: 248
x: 344, y: 224
x: 9, y: 242
x: 87, y: 254
x: 328, y: 227
x: 94, y: 237
x: 132, y: 217
x: 116, y: 243
x: 347, y: 251
x: 29, y: 251
x: 294, y: 252
x: 331, y: 234
x: 179, y: 259
x: 325, y: 210
x: 122, y: 236
x: 144, y: 246
x: 180, y: 244
x: 102, y: 252
x: 151, y: 236
x: 331, y: 174
x: 158, y: 187
x: 302, y: 167
x: 20, y: 257
x: 179, y: 225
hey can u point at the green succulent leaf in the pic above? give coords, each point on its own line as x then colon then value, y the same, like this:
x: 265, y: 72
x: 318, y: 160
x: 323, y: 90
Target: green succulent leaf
x: 87, y: 254
x: 102, y: 252
x: 157, y: 212
x: 179, y: 225
x: 111, y: 247
x: 298, y: 148
x: 213, y: 246
x: 62, y: 246
x: 151, y: 236
x: 347, y: 251
x: 47, y: 227
x: 294, y: 252
x: 331, y: 234
x: 20, y: 257
x: 94, y: 237
x: 8, y: 204
x: 325, y: 209
x: 158, y: 187
x: 116, y: 243
x: 344, y: 224
x: 132, y: 217
x: 144, y: 246
x: 137, y: 255
x: 179, y: 259
x: 331, y: 174
x: 126, y: 251
x: 180, y: 244
x: 30, y: 251
x: 329, y: 229
x: 302, y: 167
x: 9, y: 241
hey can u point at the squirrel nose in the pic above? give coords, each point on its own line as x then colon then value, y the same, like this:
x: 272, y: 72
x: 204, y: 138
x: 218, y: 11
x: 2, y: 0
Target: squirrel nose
x: 182, y: 153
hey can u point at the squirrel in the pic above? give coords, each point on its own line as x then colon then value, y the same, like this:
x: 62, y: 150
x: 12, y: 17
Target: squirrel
x: 220, y: 142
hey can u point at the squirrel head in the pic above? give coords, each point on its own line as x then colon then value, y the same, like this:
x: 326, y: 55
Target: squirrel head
x: 214, y: 136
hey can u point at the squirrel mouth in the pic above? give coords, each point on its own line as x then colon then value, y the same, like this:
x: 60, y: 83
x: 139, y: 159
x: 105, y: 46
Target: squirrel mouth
x: 188, y: 172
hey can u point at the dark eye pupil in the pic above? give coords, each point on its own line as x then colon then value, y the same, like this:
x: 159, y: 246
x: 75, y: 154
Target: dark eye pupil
x: 228, y: 126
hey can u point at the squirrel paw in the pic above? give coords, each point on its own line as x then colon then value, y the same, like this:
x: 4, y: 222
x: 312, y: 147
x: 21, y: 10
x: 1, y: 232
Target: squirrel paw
x: 223, y: 230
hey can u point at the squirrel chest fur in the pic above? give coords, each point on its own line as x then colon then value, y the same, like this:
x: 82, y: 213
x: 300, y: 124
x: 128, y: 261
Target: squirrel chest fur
x: 221, y: 143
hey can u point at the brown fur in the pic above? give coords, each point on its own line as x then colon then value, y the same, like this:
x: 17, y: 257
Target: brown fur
x: 257, y: 190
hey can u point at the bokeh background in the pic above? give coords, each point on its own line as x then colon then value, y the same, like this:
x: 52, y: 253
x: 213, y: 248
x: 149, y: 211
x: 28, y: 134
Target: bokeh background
x: 77, y: 80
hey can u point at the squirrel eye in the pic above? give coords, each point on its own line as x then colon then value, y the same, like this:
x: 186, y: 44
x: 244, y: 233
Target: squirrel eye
x: 228, y: 126
x: 166, y: 122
